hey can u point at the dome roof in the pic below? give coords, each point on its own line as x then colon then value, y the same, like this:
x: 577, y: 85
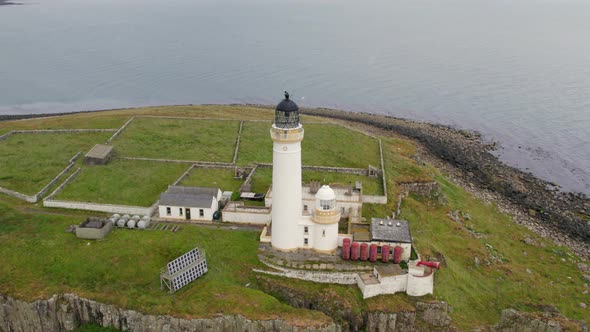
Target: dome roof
x: 287, y: 105
x: 325, y: 193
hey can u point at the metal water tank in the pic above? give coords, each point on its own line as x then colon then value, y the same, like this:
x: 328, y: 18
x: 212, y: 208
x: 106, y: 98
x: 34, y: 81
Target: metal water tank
x: 373, y: 252
x: 143, y: 224
x: 385, y: 253
x: 121, y: 222
x: 346, y: 248
x: 364, y: 251
x: 354, y: 251
x: 131, y: 223
x: 397, y: 254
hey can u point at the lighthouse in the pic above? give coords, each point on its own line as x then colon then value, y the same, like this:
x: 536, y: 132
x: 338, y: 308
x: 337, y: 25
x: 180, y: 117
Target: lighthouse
x: 286, y: 133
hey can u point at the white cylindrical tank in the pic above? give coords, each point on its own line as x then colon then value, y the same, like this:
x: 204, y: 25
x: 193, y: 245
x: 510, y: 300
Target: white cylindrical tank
x: 143, y: 224
x: 286, y: 188
x: 121, y: 222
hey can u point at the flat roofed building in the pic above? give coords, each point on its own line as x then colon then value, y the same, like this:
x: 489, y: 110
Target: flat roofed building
x: 189, y: 203
x: 99, y: 154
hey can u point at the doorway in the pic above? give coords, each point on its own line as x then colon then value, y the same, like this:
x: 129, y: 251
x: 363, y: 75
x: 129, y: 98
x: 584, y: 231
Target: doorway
x: 187, y: 213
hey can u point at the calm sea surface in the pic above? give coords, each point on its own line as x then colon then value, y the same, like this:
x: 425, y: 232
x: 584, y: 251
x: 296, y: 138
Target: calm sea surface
x: 518, y: 71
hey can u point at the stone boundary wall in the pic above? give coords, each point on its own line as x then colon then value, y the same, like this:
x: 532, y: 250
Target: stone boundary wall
x: 49, y: 131
x: 383, y: 177
x: 35, y: 198
x: 71, y: 164
x: 211, y: 164
x: 342, y: 278
x: 68, y: 311
x: 420, y: 188
x: 109, y: 208
x: 184, y: 175
x: 235, y: 158
x: 61, y: 186
x: 374, y: 199
x: 16, y: 194
x: 120, y: 130
x: 348, y: 170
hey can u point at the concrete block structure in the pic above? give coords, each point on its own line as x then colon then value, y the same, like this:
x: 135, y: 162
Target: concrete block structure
x: 391, y: 279
x: 94, y: 228
x: 180, y: 203
x: 100, y: 154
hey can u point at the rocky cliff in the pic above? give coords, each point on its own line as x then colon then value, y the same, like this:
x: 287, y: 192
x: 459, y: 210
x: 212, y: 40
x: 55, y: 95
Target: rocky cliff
x: 66, y: 312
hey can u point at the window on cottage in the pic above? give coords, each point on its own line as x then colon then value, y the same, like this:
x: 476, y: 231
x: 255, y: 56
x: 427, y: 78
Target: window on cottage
x: 201, y: 213
x: 379, y: 249
x: 305, y: 208
x: 168, y: 211
x: 180, y: 211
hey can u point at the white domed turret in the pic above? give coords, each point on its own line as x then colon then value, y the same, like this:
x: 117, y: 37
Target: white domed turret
x: 326, y: 218
x: 325, y: 199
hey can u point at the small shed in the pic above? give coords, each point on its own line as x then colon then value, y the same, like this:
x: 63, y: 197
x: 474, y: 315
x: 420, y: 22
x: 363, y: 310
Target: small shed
x: 99, y: 154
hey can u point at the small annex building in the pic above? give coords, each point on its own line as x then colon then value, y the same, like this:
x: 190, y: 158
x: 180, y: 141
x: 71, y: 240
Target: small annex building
x: 100, y: 154
x: 392, y: 233
x: 189, y: 203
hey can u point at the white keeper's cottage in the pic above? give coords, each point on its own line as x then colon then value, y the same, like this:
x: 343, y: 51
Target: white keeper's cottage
x: 180, y: 203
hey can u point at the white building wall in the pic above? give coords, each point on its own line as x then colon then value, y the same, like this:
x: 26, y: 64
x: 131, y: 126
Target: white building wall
x: 286, y: 200
x: 176, y: 214
x: 420, y: 286
x: 259, y: 218
x: 325, y: 237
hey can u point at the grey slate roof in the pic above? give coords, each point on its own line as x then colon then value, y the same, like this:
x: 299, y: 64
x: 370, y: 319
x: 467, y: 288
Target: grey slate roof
x: 188, y: 196
x: 392, y: 233
x: 99, y: 151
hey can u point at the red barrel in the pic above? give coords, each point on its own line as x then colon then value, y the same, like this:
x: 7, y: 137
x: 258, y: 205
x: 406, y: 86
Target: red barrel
x: 373, y: 252
x: 354, y: 252
x: 364, y: 251
x: 397, y: 254
x: 346, y: 249
x: 434, y: 265
x: 385, y: 254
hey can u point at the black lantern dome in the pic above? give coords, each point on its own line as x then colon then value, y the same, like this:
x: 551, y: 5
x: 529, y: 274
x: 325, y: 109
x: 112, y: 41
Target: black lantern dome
x: 287, y: 113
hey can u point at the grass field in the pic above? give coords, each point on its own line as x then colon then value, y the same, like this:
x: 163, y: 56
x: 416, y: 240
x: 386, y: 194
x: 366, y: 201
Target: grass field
x: 30, y: 161
x: 203, y: 140
x: 126, y: 182
x: 38, y: 259
x: 323, y: 145
x: 222, y: 178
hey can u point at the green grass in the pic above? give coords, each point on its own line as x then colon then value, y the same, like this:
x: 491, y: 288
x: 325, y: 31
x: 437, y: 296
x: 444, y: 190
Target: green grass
x: 261, y: 180
x: 126, y: 182
x: 479, y: 293
x: 202, y: 140
x: 30, y: 161
x: 222, y: 178
x: 323, y: 145
x: 38, y: 259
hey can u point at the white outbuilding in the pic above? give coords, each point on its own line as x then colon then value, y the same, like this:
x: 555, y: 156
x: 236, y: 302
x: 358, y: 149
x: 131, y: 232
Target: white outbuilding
x: 189, y: 203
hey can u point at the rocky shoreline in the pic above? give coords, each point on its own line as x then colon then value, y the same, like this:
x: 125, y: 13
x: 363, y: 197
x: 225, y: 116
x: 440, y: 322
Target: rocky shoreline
x: 561, y: 216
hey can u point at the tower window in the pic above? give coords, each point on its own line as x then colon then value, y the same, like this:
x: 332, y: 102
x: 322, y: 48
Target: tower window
x: 324, y: 233
x: 305, y: 241
x: 305, y: 230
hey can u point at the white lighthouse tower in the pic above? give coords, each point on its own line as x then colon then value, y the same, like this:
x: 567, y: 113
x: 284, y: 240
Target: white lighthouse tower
x: 286, y: 134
